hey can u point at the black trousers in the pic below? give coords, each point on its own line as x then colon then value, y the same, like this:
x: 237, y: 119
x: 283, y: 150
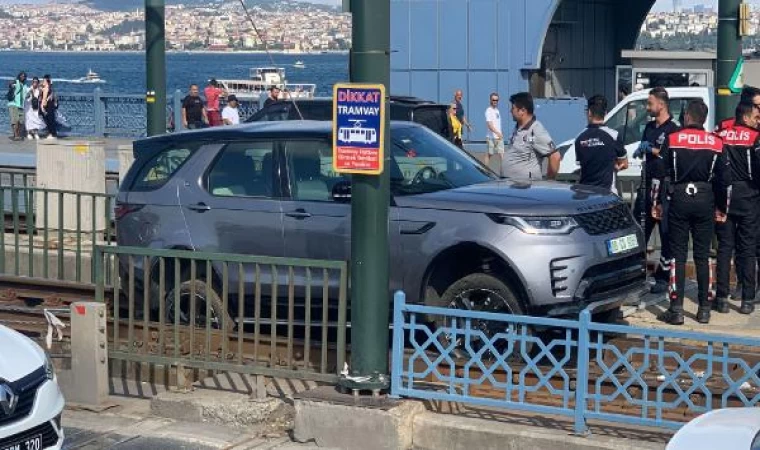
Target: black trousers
x: 643, y: 205
x: 691, y: 216
x: 50, y: 122
x: 738, y: 235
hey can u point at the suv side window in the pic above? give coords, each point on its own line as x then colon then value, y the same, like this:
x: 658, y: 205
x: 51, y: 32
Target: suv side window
x: 243, y: 169
x: 311, y: 110
x: 310, y: 170
x: 162, y: 166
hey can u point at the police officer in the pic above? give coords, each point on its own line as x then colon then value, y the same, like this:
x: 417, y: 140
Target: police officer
x: 654, y: 171
x: 598, y: 149
x: 749, y: 95
x: 696, y: 188
x: 739, y: 233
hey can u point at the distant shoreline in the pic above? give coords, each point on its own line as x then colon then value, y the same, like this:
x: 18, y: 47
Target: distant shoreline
x: 215, y: 52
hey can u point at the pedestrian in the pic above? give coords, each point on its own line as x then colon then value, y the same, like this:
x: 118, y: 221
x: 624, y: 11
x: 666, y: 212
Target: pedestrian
x: 274, y: 96
x: 461, y: 116
x: 230, y: 113
x: 653, y: 173
x: 696, y: 187
x: 741, y: 142
x: 456, y: 126
x: 530, y: 146
x: 15, y: 97
x: 34, y: 122
x: 599, y: 150
x: 193, y: 111
x: 494, y: 138
x: 213, y: 93
x: 49, y: 106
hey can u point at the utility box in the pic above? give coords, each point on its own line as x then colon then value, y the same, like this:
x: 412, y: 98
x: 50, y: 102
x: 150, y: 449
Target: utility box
x: 78, y: 169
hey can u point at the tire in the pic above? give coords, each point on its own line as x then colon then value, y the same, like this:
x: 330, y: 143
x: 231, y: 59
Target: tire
x: 483, y: 293
x: 219, y: 316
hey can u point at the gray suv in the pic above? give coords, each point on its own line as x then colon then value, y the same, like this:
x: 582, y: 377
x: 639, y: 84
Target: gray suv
x: 460, y: 236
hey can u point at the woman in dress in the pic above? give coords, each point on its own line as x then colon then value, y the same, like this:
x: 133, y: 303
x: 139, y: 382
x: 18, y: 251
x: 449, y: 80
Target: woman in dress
x: 34, y: 122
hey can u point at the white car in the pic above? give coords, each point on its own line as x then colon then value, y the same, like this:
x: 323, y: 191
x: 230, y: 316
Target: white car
x: 730, y: 428
x: 30, y: 401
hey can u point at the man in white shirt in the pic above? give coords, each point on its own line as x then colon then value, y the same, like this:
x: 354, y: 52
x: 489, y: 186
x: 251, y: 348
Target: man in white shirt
x: 495, y: 138
x: 230, y: 113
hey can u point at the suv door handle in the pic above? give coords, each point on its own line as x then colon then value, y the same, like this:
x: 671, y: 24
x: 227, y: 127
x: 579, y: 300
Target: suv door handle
x: 199, y: 207
x: 299, y: 214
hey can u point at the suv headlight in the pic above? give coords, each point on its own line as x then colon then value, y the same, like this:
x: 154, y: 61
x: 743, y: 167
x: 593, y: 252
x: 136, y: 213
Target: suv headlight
x: 49, y: 368
x: 538, y: 225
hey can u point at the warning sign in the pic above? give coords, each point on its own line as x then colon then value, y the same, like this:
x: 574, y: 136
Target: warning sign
x: 358, y: 128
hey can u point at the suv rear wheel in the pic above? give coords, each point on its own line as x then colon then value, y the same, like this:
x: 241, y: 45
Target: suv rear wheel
x: 483, y: 293
x: 217, y: 315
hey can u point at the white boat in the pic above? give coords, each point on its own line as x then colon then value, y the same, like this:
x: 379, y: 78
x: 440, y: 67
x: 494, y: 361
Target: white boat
x: 299, y: 65
x: 91, y: 77
x: 261, y: 79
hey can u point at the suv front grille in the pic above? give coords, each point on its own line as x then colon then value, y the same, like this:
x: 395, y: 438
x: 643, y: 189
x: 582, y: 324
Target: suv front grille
x: 26, y: 390
x: 605, y: 222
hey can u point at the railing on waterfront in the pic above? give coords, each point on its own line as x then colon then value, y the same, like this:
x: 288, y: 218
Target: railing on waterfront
x: 49, y: 233
x: 118, y: 115
x: 277, y: 317
x: 582, y: 371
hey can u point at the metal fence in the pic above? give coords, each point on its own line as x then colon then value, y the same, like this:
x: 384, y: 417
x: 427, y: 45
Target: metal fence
x: 118, y: 115
x: 579, y: 369
x: 50, y: 233
x: 246, y: 314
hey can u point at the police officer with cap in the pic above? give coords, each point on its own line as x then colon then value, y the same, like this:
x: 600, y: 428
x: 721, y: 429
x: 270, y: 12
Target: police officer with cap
x: 741, y: 142
x: 696, y: 186
x: 653, y: 172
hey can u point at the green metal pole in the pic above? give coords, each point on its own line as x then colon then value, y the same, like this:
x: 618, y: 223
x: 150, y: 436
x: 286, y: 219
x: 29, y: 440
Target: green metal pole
x: 729, y: 53
x: 155, y: 65
x: 370, y: 291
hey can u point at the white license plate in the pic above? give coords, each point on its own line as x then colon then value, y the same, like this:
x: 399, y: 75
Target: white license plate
x: 32, y: 443
x: 622, y: 244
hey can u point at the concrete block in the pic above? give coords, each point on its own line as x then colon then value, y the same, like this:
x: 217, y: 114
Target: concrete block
x: 126, y: 158
x: 204, y: 405
x: 71, y: 166
x: 87, y: 382
x: 347, y: 426
x: 454, y: 432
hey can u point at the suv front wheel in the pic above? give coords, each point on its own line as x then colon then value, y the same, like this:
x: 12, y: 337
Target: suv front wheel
x: 482, y: 293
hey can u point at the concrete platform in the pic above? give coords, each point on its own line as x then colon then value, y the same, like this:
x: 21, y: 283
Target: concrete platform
x: 23, y: 153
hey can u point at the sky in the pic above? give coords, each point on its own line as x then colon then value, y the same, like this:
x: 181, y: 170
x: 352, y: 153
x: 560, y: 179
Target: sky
x: 667, y: 5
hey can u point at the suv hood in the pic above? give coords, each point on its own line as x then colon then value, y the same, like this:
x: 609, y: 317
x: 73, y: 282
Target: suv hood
x: 516, y: 198
x: 19, y: 356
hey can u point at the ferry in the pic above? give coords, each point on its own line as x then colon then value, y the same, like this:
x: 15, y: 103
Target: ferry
x: 261, y: 79
x: 299, y: 65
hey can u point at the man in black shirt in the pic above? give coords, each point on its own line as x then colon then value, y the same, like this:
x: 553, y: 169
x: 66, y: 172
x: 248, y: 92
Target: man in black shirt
x: 655, y: 135
x: 193, y: 110
x: 599, y: 150
x: 273, y: 97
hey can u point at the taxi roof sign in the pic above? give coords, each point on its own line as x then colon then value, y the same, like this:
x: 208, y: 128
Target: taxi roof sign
x: 358, y: 128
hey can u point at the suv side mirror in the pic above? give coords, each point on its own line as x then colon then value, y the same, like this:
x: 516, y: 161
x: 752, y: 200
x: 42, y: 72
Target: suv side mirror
x: 341, y: 192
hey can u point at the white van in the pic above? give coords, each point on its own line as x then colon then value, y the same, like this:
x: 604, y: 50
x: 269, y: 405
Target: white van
x: 629, y: 118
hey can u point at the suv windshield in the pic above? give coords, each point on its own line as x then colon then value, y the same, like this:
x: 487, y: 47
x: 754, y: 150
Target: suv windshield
x: 425, y: 162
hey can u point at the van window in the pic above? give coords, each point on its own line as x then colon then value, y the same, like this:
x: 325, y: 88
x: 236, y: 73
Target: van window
x: 630, y: 121
x: 161, y: 167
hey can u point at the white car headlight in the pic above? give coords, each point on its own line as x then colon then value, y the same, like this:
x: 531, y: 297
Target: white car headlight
x: 49, y: 368
x: 538, y: 225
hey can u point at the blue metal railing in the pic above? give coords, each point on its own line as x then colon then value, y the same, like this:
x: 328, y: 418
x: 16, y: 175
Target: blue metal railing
x: 117, y: 115
x: 578, y: 371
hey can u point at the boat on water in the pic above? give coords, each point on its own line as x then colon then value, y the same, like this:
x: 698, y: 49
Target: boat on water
x: 299, y: 65
x: 261, y: 79
x: 91, y: 77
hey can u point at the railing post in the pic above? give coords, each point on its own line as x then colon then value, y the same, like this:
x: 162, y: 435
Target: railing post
x: 178, y: 110
x: 97, y: 276
x: 581, y: 380
x: 397, y: 350
x: 100, y: 112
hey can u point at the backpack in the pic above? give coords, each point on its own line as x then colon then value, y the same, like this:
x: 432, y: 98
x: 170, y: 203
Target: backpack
x: 11, y: 95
